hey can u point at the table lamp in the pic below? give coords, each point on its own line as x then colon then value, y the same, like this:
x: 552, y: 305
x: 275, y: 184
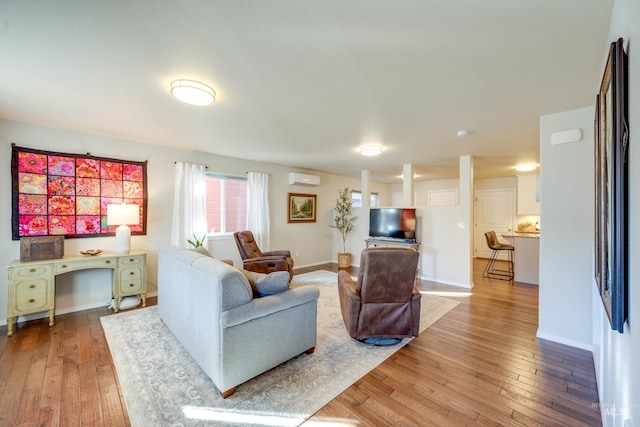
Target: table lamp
x: 123, y: 215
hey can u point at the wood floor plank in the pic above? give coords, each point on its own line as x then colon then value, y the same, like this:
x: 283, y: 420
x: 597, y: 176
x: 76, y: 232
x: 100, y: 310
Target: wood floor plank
x: 52, y: 386
x: 31, y: 392
x: 15, y: 384
x: 428, y: 397
x: 90, y: 399
x: 112, y: 410
x: 70, y: 400
x: 49, y: 415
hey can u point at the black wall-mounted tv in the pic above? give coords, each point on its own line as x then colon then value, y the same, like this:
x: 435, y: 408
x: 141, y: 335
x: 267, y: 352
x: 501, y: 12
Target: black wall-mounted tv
x: 394, y: 223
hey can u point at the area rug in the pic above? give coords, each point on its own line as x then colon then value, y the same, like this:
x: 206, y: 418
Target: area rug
x: 163, y: 386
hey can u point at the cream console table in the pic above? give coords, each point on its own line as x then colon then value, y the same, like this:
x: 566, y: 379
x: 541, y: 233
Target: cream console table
x: 32, y: 284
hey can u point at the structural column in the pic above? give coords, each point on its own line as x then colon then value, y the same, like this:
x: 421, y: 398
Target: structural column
x: 465, y: 221
x: 407, y: 185
x: 365, y: 177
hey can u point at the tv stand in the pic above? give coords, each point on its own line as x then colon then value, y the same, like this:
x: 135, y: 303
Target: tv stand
x: 378, y: 242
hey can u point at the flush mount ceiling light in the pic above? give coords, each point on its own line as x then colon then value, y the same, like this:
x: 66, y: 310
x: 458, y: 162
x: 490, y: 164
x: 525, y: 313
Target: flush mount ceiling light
x: 462, y: 133
x: 526, y: 167
x: 192, y: 92
x: 371, y: 150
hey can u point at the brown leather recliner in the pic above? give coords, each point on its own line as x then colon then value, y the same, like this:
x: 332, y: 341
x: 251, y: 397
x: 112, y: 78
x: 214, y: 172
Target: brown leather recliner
x: 253, y: 259
x: 384, y: 303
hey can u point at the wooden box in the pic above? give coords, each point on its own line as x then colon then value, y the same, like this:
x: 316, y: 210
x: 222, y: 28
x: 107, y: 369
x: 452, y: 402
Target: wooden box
x: 39, y: 248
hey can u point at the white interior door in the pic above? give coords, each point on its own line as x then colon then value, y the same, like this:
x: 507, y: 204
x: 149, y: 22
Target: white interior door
x: 494, y: 210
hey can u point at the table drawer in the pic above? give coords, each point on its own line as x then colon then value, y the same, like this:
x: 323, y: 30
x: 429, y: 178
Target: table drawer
x: 131, y: 287
x: 128, y: 274
x: 133, y: 260
x: 131, y: 280
x: 63, y: 267
x: 31, y: 296
x: 27, y: 272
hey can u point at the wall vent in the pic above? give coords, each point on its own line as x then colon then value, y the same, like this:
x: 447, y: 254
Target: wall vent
x: 567, y: 136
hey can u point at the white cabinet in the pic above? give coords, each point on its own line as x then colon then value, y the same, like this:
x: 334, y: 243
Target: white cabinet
x: 528, y: 201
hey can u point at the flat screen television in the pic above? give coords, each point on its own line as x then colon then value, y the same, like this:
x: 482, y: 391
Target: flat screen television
x: 393, y: 223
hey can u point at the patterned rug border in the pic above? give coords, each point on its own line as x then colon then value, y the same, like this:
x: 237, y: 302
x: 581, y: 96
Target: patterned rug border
x: 163, y: 385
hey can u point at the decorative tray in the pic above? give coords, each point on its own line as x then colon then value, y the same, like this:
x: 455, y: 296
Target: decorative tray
x: 91, y: 252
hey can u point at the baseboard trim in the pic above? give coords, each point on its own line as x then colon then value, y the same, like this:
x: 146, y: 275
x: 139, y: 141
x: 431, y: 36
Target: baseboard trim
x: 565, y: 341
x: 314, y: 264
x: 447, y: 282
x: 45, y: 314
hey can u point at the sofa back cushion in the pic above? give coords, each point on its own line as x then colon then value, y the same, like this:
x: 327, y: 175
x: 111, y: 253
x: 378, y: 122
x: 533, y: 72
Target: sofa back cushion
x: 229, y: 283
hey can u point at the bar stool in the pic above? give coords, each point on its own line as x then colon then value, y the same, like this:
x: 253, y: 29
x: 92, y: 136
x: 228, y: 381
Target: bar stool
x: 490, y: 271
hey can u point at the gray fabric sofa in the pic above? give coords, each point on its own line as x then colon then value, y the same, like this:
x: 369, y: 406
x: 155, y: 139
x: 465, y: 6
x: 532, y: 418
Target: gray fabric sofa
x: 209, y: 306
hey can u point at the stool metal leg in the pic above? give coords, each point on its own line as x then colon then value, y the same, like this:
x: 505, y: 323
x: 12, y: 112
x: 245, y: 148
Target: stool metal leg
x: 492, y: 272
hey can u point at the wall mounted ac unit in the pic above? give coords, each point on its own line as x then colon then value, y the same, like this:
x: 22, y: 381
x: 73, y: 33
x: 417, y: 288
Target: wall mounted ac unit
x: 303, y: 179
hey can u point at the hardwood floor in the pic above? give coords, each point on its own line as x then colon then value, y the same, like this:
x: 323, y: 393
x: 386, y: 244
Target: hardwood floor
x: 481, y: 364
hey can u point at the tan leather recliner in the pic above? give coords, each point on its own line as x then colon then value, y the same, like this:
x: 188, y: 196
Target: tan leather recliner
x: 384, y: 302
x: 253, y: 259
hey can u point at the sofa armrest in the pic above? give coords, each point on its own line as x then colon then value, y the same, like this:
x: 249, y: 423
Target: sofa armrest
x: 261, y: 307
x: 350, y: 301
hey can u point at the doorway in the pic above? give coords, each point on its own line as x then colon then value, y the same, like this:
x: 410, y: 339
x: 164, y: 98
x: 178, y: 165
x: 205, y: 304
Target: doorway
x: 493, y: 210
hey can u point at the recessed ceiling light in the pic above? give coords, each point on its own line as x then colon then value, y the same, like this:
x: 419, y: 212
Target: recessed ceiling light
x: 192, y: 92
x: 526, y: 167
x: 371, y: 150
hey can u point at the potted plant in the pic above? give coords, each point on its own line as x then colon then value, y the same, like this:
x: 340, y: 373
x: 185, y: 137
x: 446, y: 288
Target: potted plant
x: 343, y: 222
x: 195, y: 242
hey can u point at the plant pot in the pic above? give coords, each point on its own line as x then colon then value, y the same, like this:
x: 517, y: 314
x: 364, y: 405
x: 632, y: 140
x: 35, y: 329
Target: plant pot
x: 344, y: 260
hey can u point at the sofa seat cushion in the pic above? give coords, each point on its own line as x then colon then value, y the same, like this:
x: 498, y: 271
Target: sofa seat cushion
x: 267, y: 284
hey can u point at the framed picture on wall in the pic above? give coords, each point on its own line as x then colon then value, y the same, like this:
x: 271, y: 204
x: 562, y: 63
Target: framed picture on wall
x: 302, y: 207
x: 611, y: 187
x: 65, y: 194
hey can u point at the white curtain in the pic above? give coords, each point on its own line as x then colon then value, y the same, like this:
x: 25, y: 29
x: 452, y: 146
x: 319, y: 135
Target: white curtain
x: 189, y: 204
x: 258, y: 220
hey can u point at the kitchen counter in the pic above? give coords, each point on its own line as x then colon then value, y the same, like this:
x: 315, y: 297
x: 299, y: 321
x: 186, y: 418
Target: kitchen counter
x: 526, y: 235
x: 526, y: 256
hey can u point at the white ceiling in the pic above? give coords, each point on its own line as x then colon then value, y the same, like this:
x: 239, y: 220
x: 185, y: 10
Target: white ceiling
x: 305, y: 83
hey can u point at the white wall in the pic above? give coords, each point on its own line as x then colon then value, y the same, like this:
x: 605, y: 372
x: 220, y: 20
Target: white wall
x: 446, y: 248
x: 422, y: 188
x: 509, y: 182
x: 310, y: 243
x: 616, y: 355
x: 567, y: 236
x: 570, y: 308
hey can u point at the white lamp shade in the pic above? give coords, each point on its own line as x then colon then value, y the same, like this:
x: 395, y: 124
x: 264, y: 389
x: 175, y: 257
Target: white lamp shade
x: 122, y: 213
